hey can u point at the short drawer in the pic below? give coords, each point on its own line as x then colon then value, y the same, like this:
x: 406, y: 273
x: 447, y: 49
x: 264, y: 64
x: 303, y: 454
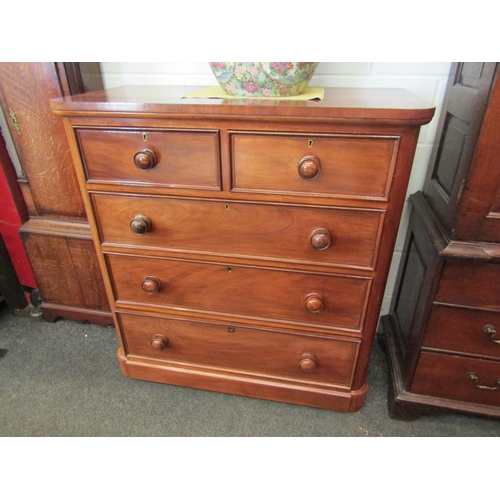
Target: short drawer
x: 337, y: 237
x: 470, y: 284
x: 240, y: 349
x: 169, y: 158
x: 319, y: 165
x: 469, y: 331
x: 458, y: 377
x: 311, y: 299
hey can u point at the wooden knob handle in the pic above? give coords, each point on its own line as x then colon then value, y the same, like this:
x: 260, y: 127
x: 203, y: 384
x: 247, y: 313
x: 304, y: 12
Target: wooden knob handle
x: 145, y: 159
x: 151, y: 284
x: 309, y: 167
x: 314, y: 303
x: 159, y: 342
x: 320, y: 239
x: 140, y: 224
x: 308, y: 362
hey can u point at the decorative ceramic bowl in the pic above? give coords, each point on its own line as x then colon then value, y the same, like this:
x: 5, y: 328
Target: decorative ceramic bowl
x: 263, y: 79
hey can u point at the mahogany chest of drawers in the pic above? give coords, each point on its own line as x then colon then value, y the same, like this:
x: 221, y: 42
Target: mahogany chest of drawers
x: 245, y: 244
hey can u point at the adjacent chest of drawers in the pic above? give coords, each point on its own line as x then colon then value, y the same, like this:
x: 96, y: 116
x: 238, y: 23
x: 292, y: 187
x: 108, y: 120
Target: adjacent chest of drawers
x: 245, y: 245
x: 443, y: 328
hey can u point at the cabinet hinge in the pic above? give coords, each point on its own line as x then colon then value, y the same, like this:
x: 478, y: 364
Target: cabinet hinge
x: 14, y: 121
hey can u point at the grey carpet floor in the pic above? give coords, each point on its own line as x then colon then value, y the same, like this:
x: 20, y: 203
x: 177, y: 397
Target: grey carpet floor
x: 63, y: 379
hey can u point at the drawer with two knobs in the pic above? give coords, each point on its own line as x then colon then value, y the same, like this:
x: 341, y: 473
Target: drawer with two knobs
x: 307, y: 299
x: 241, y: 350
x: 295, y: 234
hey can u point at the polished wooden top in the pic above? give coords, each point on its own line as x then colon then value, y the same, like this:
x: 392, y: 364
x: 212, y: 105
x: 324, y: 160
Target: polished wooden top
x: 395, y: 105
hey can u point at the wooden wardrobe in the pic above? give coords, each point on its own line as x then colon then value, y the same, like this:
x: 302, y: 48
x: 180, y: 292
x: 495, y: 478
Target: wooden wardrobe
x: 57, y: 236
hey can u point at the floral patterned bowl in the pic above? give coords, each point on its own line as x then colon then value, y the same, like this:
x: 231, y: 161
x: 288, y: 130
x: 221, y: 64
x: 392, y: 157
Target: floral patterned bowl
x: 263, y: 79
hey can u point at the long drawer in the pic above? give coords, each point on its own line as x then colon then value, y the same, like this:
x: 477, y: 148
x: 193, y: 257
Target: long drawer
x: 458, y: 377
x: 337, y: 237
x: 173, y: 158
x: 351, y: 166
x: 464, y: 330
x: 329, y: 301
x: 240, y: 349
x: 470, y: 284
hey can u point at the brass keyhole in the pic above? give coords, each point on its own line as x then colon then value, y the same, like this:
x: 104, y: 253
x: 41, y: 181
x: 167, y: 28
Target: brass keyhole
x: 230, y: 329
x: 144, y: 137
x: 310, y: 143
x: 227, y: 207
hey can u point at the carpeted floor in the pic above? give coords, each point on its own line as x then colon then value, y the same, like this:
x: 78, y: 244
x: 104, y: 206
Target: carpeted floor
x: 63, y: 379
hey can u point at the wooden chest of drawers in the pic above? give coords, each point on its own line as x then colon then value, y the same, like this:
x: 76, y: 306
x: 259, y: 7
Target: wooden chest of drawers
x: 442, y: 330
x: 467, y: 295
x: 245, y: 245
x: 445, y: 328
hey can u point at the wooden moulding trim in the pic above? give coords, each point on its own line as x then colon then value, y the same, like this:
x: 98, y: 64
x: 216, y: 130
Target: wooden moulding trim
x: 449, y: 248
x: 340, y: 105
x: 28, y: 196
x: 51, y: 312
x: 214, y: 319
x: 126, y: 306
x: 340, y: 120
x: 432, y: 225
x: 472, y: 250
x: 330, y: 399
x: 340, y: 201
x: 55, y: 227
x: 252, y: 261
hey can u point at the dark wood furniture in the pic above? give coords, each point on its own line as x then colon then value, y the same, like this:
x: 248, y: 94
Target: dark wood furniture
x: 57, y: 236
x: 441, y: 333
x: 245, y: 244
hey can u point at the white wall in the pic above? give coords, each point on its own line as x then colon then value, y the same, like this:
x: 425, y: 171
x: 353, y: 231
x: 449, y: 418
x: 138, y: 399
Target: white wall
x: 425, y: 79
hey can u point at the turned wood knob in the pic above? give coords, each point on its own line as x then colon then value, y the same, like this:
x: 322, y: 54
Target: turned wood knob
x: 159, y: 342
x: 140, y: 224
x: 308, y: 362
x: 309, y: 167
x: 151, y: 284
x: 145, y: 159
x: 314, y: 303
x: 320, y: 239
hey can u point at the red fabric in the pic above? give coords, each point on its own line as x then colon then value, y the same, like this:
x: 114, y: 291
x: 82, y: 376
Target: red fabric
x: 13, y: 214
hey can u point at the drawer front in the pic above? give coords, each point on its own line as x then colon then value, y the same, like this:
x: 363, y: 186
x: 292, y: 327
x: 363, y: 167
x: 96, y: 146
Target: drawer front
x: 244, y: 229
x: 180, y: 159
x: 344, y: 166
x: 458, y: 377
x: 470, y: 284
x: 286, y: 296
x: 240, y: 349
x: 470, y: 331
